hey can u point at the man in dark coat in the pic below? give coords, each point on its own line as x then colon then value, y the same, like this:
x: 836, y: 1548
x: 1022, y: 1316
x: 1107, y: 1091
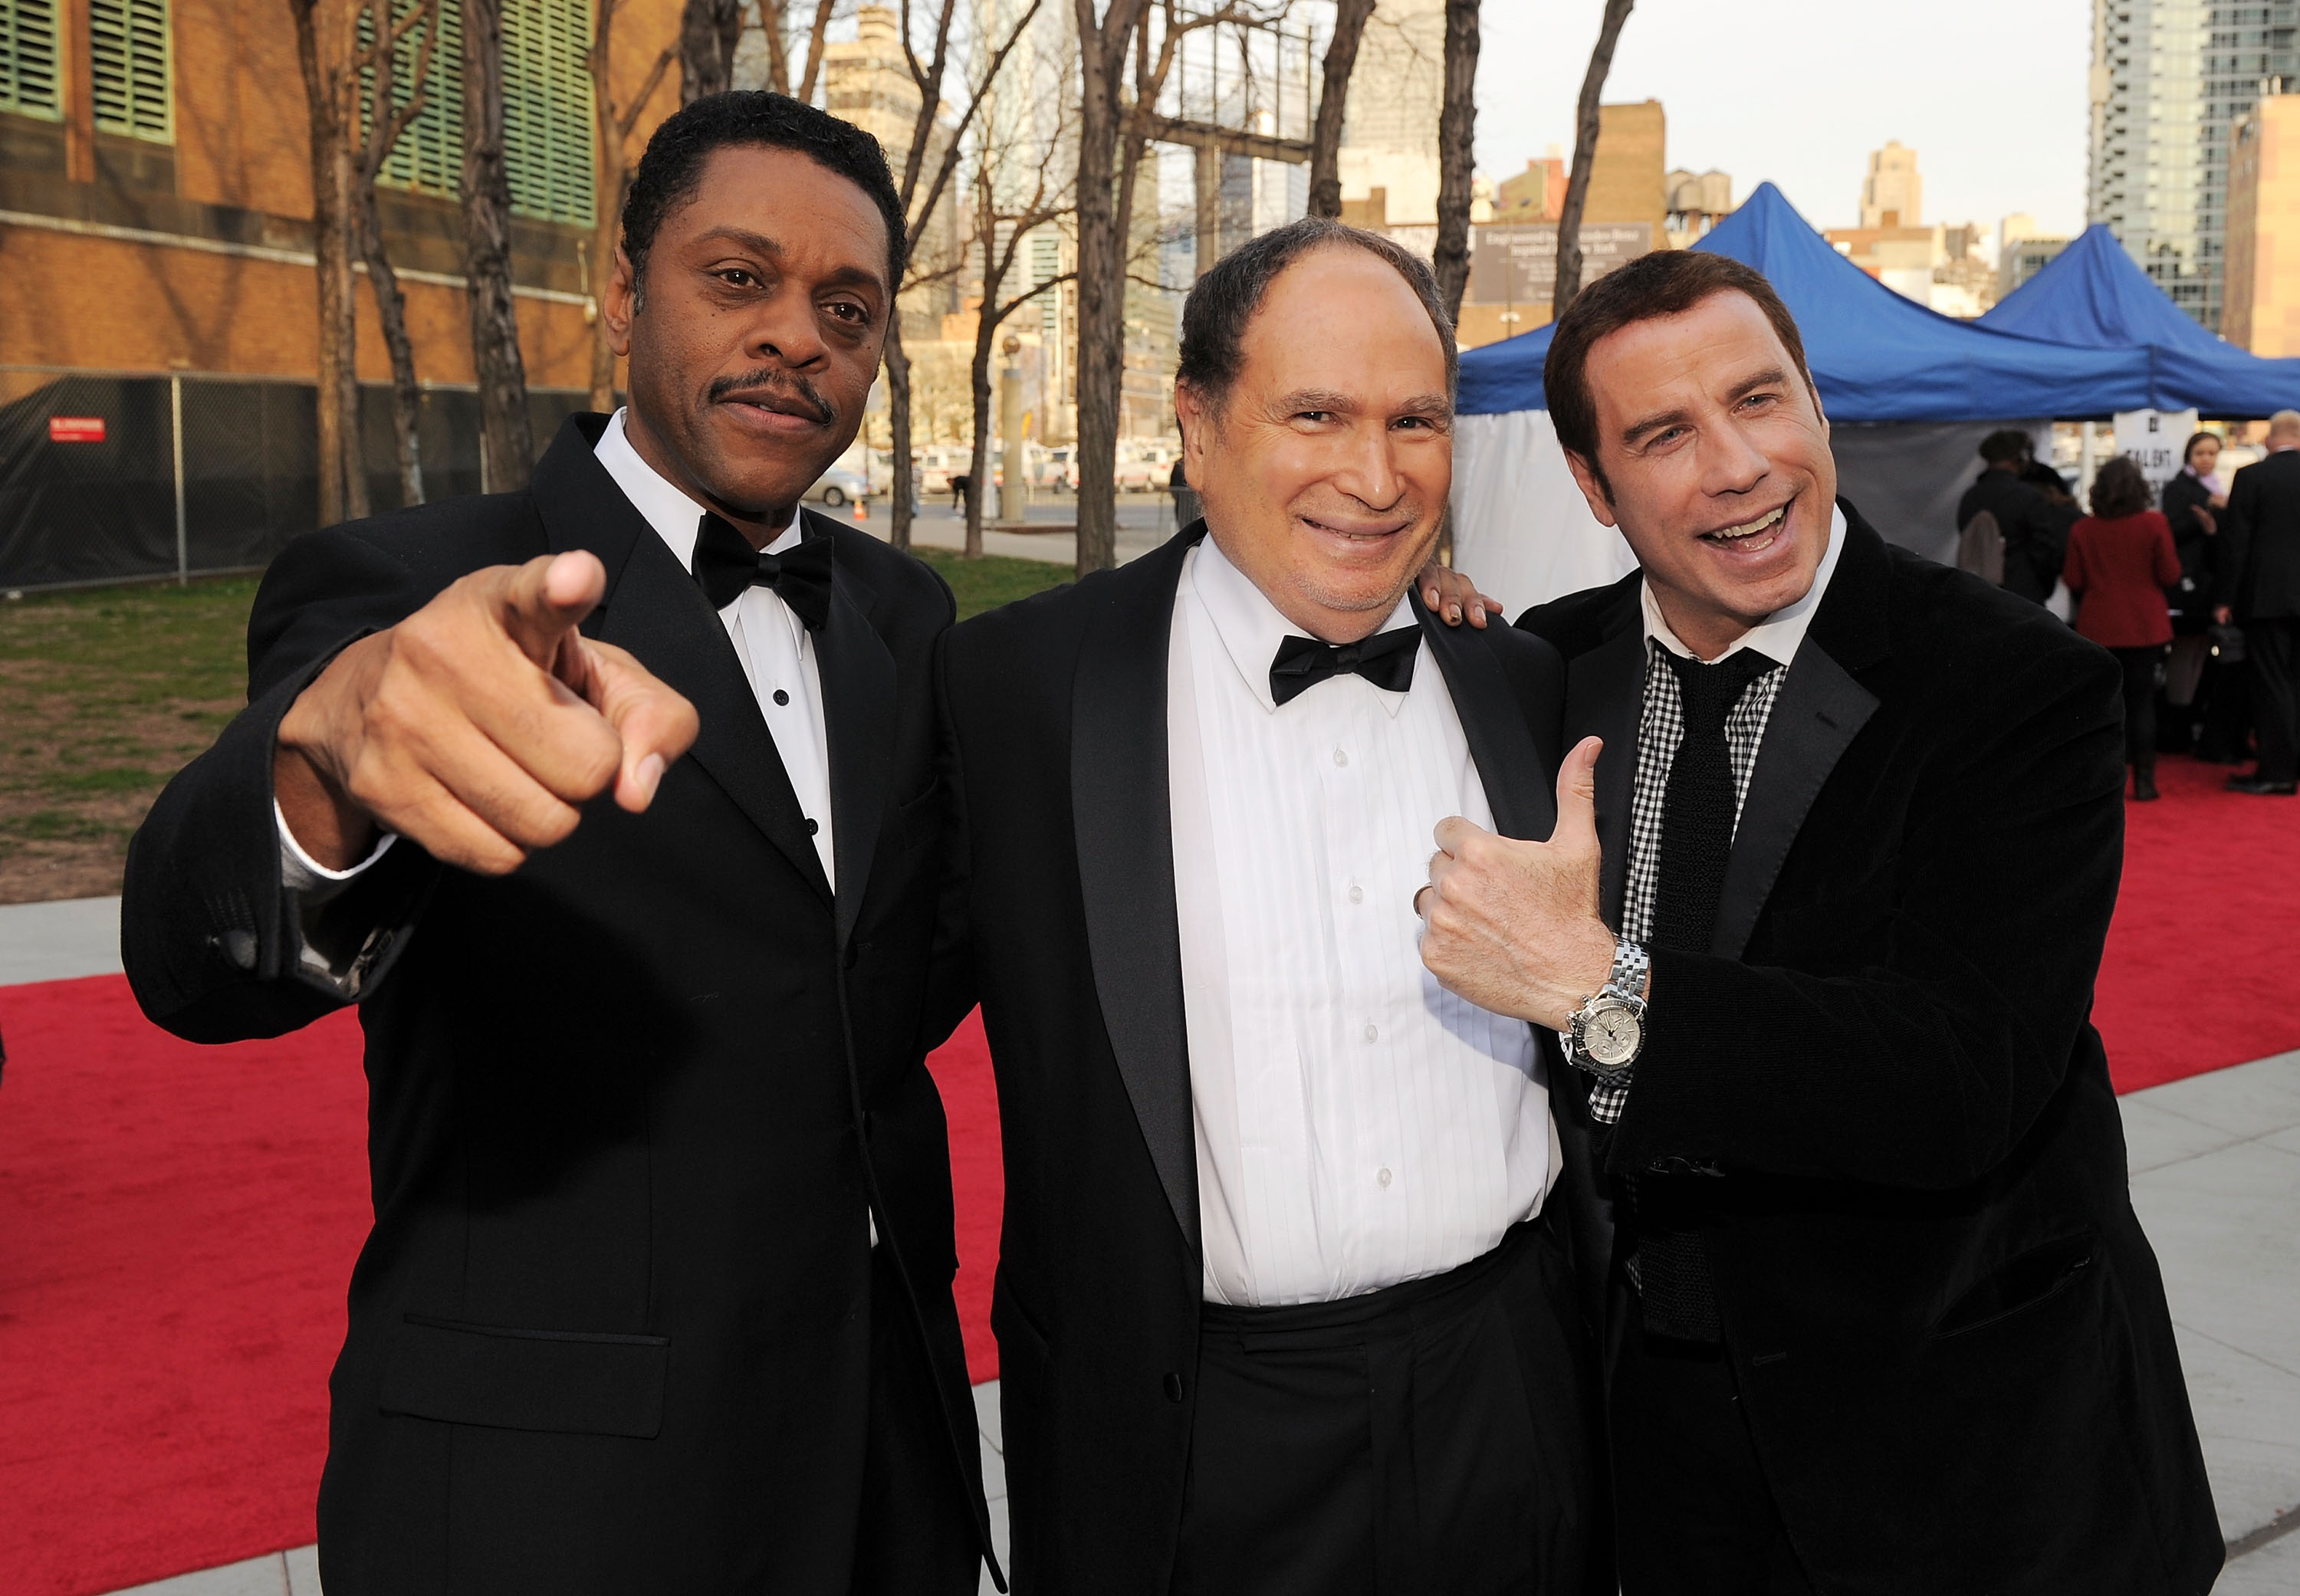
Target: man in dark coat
x: 2034, y: 538
x: 658, y: 1293
x: 1838, y: 874
x: 1283, y: 1301
x: 2259, y: 566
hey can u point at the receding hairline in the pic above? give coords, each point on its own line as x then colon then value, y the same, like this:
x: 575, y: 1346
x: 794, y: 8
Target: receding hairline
x: 1216, y: 402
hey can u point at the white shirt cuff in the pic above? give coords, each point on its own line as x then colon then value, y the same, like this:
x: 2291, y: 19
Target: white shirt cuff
x: 310, y: 880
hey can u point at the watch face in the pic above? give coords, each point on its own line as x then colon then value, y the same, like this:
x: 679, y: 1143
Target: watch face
x: 1610, y: 1036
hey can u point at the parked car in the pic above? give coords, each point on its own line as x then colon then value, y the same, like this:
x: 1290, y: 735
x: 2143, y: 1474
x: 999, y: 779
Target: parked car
x: 1144, y: 467
x: 838, y: 487
x: 1055, y: 470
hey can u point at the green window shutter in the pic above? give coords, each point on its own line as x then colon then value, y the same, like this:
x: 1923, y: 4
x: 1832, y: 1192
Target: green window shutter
x: 428, y: 158
x: 547, y: 132
x: 27, y: 58
x: 129, y: 65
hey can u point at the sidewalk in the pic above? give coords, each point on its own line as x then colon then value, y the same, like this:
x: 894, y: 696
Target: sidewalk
x: 2215, y: 1163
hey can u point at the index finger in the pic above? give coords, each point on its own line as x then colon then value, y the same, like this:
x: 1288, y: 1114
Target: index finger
x: 547, y: 598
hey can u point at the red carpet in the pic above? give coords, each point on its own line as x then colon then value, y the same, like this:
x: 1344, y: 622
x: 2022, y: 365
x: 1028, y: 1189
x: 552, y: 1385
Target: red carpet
x: 177, y: 1224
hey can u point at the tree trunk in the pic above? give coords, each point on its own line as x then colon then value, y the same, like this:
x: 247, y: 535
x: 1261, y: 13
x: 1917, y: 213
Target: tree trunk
x: 986, y: 332
x: 1457, y: 129
x: 805, y: 92
x: 1333, y: 106
x: 898, y: 427
x: 771, y: 23
x: 505, y: 434
x: 1102, y: 252
x: 1587, y: 122
x: 391, y: 316
x: 343, y: 482
x: 708, y: 33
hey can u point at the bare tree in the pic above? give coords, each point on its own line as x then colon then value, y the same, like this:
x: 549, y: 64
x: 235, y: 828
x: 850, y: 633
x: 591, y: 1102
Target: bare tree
x: 506, y: 436
x: 326, y: 47
x: 927, y: 76
x: 387, y: 120
x: 708, y: 32
x: 1457, y: 130
x: 999, y: 231
x: 1587, y: 122
x: 1333, y: 106
x: 1114, y: 131
x: 613, y: 127
x: 804, y: 90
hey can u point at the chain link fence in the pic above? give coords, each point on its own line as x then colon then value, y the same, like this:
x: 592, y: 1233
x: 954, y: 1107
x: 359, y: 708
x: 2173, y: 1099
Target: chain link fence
x: 111, y: 478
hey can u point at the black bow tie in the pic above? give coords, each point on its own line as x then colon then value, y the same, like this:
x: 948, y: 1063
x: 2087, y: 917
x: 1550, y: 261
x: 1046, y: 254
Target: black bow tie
x: 1385, y: 660
x: 726, y: 565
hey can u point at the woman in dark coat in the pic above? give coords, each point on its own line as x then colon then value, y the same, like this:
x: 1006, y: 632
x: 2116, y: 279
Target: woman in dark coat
x: 2120, y: 561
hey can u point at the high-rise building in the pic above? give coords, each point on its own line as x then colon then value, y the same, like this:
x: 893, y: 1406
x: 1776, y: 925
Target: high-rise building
x: 2022, y: 250
x: 2169, y: 78
x: 1892, y: 188
x: 2260, y: 298
x: 867, y: 81
x: 1389, y: 138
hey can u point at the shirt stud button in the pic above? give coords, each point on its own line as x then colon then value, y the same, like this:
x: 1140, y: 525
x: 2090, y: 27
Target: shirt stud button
x: 1340, y: 758
x: 1381, y: 1178
x: 1373, y: 1032
x: 812, y: 827
x: 781, y: 696
x: 1357, y: 895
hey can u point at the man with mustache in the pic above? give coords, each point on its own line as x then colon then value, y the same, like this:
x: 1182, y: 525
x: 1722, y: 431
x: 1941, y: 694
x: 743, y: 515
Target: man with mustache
x: 1820, y: 927
x: 658, y: 1293
x: 1282, y: 1299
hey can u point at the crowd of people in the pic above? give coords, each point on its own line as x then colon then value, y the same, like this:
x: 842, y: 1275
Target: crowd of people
x: 2195, y: 590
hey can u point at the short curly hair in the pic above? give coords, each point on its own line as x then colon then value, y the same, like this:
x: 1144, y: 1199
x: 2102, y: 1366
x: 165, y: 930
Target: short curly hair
x: 2120, y: 490
x: 672, y: 168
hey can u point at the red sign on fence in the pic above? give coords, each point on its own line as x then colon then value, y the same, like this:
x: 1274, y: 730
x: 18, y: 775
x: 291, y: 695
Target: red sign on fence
x: 75, y: 429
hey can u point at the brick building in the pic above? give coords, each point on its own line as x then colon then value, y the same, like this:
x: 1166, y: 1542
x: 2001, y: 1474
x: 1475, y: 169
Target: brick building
x: 156, y: 207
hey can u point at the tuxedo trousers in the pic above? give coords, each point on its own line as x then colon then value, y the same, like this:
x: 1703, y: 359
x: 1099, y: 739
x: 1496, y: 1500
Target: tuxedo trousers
x: 1436, y: 1437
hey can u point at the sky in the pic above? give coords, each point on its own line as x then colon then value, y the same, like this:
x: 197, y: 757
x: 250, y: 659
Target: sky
x: 1991, y: 93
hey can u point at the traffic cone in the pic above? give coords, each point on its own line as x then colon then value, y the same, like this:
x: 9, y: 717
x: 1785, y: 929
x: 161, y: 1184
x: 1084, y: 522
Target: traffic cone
x: 861, y: 510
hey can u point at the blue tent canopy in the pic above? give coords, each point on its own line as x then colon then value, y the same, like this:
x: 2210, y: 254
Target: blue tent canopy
x: 1875, y: 355
x: 2095, y: 294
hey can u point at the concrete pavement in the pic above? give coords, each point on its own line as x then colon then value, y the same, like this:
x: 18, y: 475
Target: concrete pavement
x: 2215, y: 1163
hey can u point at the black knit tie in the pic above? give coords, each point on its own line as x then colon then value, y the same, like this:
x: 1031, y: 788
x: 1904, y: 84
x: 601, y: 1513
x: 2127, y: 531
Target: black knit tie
x: 1697, y: 838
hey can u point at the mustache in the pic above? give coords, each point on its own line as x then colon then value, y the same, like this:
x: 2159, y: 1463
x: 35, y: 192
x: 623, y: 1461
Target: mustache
x: 783, y: 385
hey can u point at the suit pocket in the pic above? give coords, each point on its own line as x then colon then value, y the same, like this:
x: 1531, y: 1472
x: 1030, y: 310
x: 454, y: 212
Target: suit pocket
x: 563, y: 1381
x: 2035, y: 1277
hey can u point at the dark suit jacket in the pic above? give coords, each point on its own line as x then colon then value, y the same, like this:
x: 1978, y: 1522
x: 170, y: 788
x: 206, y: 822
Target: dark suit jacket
x: 2035, y: 539
x: 2260, y: 565
x: 1949, y: 1333
x: 630, y: 1105
x: 1064, y: 870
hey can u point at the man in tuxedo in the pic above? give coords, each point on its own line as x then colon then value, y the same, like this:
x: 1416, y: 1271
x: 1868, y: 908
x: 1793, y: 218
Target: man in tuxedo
x: 1282, y: 1299
x: 657, y: 1297
x: 1820, y: 925
x: 2260, y: 591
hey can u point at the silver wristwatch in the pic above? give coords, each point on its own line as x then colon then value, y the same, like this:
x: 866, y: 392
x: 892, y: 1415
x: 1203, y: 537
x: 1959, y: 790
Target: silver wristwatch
x: 1610, y: 1027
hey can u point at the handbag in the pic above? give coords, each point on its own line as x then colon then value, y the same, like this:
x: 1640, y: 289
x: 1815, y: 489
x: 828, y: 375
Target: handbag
x: 2227, y: 643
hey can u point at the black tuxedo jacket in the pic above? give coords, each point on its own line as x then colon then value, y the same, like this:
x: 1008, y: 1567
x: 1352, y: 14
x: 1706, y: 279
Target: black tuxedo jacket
x: 1949, y: 1333
x: 1064, y: 871
x: 630, y: 1106
x: 2261, y: 564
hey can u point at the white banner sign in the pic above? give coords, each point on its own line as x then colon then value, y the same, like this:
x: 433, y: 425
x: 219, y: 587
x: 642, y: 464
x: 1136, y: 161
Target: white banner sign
x: 2153, y: 438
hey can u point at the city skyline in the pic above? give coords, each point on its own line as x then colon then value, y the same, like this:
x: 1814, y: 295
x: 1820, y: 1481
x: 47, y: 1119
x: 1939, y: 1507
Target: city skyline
x: 1996, y: 133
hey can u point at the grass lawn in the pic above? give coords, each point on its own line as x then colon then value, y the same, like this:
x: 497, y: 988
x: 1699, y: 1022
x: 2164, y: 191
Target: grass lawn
x: 108, y: 692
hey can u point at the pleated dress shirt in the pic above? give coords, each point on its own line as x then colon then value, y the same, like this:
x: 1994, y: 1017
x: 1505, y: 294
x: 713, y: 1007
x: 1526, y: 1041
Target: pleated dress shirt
x: 1356, y: 1124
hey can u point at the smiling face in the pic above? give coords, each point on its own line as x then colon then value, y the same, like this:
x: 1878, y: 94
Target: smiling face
x: 1325, y: 467
x: 1716, y: 455
x: 754, y: 344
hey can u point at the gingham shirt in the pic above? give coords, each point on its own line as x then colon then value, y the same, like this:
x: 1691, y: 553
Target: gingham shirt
x: 1661, y: 727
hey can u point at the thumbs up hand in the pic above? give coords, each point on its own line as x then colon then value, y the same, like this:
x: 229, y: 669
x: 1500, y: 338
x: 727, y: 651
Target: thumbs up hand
x: 1513, y: 926
x: 475, y: 727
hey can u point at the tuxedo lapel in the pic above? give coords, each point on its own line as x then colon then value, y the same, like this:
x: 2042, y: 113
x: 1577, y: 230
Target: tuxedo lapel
x: 1123, y: 819
x: 1495, y: 724
x: 1605, y: 698
x: 858, y: 702
x: 655, y: 610
x: 1820, y: 710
